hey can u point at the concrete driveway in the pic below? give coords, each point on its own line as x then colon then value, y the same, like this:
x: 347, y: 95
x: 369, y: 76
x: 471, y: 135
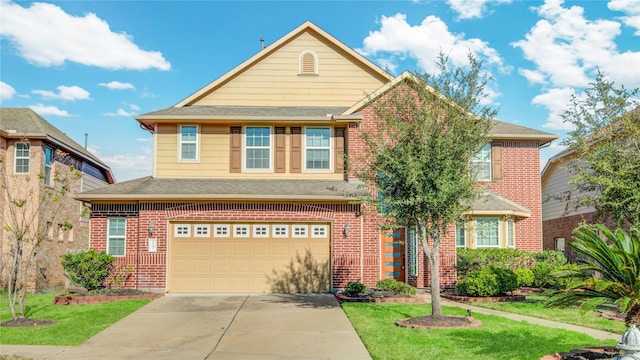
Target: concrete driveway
x: 226, y: 327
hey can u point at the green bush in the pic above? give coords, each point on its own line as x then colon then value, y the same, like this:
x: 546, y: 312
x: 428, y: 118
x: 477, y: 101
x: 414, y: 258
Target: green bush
x: 541, y: 273
x: 490, y: 281
x: 507, y: 279
x: 556, y: 282
x: 88, y: 269
x: 553, y: 257
x: 354, y: 288
x: 525, y: 276
x: 397, y: 287
x: 470, y: 260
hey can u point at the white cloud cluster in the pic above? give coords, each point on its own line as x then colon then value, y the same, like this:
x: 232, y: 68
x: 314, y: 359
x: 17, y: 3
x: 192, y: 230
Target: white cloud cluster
x: 6, y: 91
x: 397, y: 39
x: 68, y: 93
x: 44, y: 110
x: 126, y: 166
x: 117, y: 85
x: 469, y: 9
x: 47, y: 36
x: 632, y: 10
x: 566, y: 49
x: 133, y: 111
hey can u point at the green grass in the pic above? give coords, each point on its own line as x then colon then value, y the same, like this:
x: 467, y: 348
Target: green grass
x: 497, y: 338
x: 534, y: 306
x: 75, y: 323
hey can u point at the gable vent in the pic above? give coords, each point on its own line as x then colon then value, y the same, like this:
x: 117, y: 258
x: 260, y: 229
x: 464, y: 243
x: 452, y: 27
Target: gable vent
x: 308, y: 63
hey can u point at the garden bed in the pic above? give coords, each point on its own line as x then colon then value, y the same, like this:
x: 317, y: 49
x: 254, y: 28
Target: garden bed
x: 468, y: 299
x: 391, y: 298
x: 605, y: 352
x: 105, y: 296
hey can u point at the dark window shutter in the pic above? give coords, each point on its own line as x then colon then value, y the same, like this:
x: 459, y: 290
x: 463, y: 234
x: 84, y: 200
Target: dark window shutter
x: 339, y: 150
x: 296, y: 150
x: 280, y: 159
x: 496, y: 161
x: 235, y: 157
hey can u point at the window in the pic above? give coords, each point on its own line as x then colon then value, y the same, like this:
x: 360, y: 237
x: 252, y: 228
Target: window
x: 300, y: 231
x: 48, y: 160
x: 220, y: 230
x: 487, y: 232
x: 308, y: 63
x: 481, y: 164
x: 258, y: 148
x: 22, y: 152
x: 188, y: 142
x: 318, y: 231
x: 182, y: 230
x: 511, y: 234
x: 241, y: 230
x: 461, y: 238
x: 116, y: 230
x: 201, y: 230
x: 317, y: 148
x: 261, y: 230
x: 280, y: 231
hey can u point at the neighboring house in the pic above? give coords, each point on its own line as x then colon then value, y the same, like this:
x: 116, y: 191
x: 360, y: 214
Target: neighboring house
x: 29, y: 145
x: 251, y: 189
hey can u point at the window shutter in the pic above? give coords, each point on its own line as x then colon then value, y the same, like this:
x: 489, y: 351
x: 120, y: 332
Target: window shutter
x: 496, y: 161
x: 339, y: 150
x: 280, y: 159
x: 235, y: 157
x: 296, y: 150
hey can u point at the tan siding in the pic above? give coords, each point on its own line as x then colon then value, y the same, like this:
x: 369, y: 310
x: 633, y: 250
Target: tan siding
x: 90, y: 183
x: 556, y: 183
x: 275, y: 81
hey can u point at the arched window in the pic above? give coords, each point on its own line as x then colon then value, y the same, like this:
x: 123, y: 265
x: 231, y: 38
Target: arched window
x: 308, y: 63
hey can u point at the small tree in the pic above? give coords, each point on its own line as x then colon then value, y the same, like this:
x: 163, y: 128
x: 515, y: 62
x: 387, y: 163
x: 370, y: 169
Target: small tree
x: 606, y: 143
x: 33, y: 208
x: 427, y: 129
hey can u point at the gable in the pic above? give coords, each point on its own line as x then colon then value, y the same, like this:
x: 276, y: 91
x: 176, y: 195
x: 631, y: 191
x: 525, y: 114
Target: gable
x: 273, y: 77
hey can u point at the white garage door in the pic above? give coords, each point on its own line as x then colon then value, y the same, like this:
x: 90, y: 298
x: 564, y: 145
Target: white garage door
x: 248, y: 257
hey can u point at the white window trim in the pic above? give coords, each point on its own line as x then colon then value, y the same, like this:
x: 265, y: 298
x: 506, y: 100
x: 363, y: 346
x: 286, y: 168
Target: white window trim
x: 260, y: 226
x: 296, y: 227
x: 511, y: 223
x: 275, y: 229
x: 304, y: 150
x: 197, y: 142
x: 324, y: 230
x: 476, y: 232
x: 315, y: 65
x: 48, y: 169
x: 16, y: 157
x: 244, y: 149
x: 490, y: 161
x: 124, y: 237
x: 177, y: 226
x: 201, y: 226
x: 222, y: 226
x: 238, y: 227
x: 466, y: 236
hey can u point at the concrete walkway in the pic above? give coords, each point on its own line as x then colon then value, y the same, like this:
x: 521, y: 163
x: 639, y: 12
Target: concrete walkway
x: 220, y: 327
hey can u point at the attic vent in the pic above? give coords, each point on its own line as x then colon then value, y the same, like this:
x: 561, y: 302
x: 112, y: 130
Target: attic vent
x: 308, y: 63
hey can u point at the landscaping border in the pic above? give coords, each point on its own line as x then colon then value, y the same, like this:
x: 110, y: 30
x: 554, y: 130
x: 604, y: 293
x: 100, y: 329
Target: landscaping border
x: 414, y: 299
x: 94, y: 299
x: 468, y: 299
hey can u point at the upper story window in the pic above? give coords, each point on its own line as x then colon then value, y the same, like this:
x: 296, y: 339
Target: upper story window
x: 308, y: 63
x: 48, y: 160
x: 317, y: 148
x: 481, y: 164
x: 257, y: 148
x: 487, y: 232
x: 21, y: 158
x: 188, y: 142
x: 116, y: 236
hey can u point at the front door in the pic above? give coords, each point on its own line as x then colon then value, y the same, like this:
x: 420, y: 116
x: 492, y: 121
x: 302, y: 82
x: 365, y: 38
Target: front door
x: 393, y: 259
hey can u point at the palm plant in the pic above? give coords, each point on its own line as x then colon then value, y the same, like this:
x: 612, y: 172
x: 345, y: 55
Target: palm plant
x: 615, y: 259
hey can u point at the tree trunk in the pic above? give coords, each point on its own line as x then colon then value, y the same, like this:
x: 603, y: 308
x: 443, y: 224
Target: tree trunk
x: 633, y: 315
x: 434, y: 270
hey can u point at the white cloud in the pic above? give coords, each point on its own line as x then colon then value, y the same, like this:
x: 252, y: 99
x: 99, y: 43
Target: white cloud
x: 556, y: 101
x: 47, y: 36
x: 117, y: 85
x: 126, y: 166
x: 566, y: 49
x: 631, y: 8
x: 44, y: 110
x: 6, y: 91
x: 122, y: 112
x: 424, y: 42
x: 70, y: 93
x: 469, y: 9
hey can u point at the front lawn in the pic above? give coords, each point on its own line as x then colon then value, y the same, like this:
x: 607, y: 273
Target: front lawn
x: 497, y: 338
x: 534, y: 306
x: 75, y: 323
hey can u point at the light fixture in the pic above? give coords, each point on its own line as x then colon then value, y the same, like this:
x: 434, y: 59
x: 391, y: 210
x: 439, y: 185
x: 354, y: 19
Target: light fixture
x: 345, y: 230
x: 152, y: 225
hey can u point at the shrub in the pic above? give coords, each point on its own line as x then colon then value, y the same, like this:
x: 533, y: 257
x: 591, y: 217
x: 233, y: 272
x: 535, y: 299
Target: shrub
x: 397, y: 287
x: 556, y: 282
x: 541, y: 273
x: 88, y: 269
x: 489, y: 281
x: 470, y: 260
x: 354, y: 288
x: 525, y: 276
x: 553, y: 257
x: 507, y: 279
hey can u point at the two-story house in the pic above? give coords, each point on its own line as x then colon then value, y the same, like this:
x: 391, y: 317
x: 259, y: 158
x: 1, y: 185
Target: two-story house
x: 31, y: 150
x: 251, y: 189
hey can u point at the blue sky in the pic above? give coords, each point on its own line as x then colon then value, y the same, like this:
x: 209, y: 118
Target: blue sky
x: 90, y: 66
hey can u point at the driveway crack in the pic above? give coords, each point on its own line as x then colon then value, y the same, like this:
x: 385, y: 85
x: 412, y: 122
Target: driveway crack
x: 228, y: 326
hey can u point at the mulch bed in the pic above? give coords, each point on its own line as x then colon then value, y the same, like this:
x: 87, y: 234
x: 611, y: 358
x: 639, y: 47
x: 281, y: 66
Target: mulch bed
x: 27, y: 322
x: 374, y: 295
x: 468, y: 299
x: 100, y: 296
x: 439, y: 322
x: 599, y: 353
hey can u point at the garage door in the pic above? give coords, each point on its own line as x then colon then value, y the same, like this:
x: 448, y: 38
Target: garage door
x: 248, y: 257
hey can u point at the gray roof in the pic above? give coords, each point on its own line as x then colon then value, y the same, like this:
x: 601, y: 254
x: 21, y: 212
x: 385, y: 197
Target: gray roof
x: 504, y: 130
x: 245, y: 111
x: 24, y: 122
x: 151, y: 188
x: 490, y: 203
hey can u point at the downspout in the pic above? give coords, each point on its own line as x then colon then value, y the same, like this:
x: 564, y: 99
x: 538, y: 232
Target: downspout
x: 361, y: 248
x: 138, y: 251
